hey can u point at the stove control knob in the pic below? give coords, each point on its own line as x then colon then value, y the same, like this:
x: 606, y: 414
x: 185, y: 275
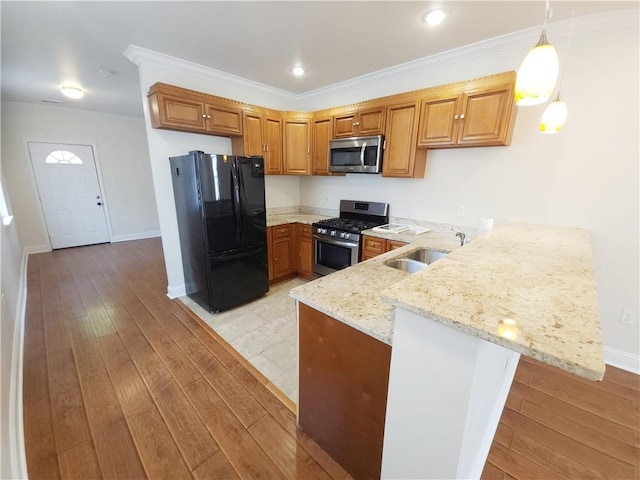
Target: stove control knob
x: 332, y: 233
x: 343, y: 235
x: 322, y: 230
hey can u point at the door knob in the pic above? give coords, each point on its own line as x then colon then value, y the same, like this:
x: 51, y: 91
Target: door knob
x: 99, y: 203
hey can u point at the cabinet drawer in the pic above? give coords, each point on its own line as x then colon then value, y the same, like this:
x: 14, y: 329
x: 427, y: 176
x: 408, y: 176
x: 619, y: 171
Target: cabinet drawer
x: 282, y: 231
x: 393, y: 244
x: 373, y: 244
x: 305, y: 230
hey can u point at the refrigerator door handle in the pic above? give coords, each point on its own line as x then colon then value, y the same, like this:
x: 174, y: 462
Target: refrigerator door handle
x: 237, y: 205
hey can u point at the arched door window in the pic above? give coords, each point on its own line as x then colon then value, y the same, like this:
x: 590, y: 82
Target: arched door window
x: 63, y: 157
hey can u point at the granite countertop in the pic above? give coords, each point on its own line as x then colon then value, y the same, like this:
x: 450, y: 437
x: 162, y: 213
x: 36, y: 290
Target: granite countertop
x: 353, y: 296
x: 284, y: 218
x: 540, y: 276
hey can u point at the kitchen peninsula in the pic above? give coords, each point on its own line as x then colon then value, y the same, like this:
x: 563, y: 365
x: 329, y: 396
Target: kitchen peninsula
x: 450, y: 369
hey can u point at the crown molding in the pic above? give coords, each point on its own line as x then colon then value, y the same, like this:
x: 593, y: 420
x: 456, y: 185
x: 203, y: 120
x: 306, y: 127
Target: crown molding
x: 140, y: 55
x: 524, y: 38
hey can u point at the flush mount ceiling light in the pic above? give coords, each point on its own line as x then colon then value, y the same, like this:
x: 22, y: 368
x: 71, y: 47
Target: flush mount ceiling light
x: 538, y: 72
x: 298, y: 71
x: 72, y: 92
x: 434, y: 17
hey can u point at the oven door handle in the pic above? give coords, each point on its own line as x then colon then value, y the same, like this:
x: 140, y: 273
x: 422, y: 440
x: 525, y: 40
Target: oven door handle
x: 334, y: 242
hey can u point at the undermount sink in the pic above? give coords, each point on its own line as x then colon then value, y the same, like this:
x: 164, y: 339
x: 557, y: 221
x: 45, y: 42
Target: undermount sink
x: 406, y: 264
x: 416, y: 260
x: 425, y: 255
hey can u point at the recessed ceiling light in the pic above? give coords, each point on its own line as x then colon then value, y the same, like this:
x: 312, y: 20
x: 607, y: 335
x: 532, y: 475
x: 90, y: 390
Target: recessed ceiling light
x: 434, y: 17
x: 298, y: 71
x: 72, y: 92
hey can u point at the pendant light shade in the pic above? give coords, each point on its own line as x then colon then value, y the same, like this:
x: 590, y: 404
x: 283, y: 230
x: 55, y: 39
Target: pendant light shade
x: 554, y: 116
x: 537, y: 74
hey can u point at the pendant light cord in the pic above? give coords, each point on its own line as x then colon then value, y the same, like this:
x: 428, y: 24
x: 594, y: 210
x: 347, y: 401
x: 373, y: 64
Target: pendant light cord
x: 566, y: 55
x: 547, y: 15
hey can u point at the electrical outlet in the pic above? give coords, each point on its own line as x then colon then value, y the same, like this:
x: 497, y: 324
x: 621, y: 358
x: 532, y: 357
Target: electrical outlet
x: 462, y: 212
x: 627, y: 316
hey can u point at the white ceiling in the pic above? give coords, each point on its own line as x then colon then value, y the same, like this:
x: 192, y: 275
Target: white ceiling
x: 45, y: 44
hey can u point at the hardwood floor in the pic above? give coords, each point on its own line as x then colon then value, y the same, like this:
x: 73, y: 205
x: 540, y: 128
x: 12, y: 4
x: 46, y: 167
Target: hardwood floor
x: 121, y: 382
x: 558, y: 425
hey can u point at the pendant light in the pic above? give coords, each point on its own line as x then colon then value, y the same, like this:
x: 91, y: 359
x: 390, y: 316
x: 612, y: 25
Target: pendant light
x: 538, y: 72
x: 555, y: 115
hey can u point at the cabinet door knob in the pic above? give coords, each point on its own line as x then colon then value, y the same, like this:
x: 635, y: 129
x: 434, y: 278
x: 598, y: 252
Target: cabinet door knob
x: 355, y: 124
x: 204, y: 116
x: 455, y: 117
x: 461, y: 116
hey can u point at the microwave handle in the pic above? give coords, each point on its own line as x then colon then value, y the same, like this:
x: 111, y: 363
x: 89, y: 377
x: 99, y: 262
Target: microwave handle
x: 364, y: 146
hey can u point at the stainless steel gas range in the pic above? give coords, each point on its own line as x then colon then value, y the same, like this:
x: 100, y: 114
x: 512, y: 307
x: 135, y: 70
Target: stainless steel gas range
x: 336, y: 241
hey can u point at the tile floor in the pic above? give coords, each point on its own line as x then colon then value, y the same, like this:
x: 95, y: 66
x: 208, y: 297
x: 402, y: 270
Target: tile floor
x: 264, y: 331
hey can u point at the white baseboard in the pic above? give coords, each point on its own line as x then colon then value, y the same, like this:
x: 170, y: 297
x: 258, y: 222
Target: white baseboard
x: 177, y: 291
x: 16, y: 425
x: 623, y: 360
x: 36, y: 249
x: 134, y: 236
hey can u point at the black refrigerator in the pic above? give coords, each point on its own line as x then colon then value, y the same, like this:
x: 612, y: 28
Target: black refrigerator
x: 220, y: 207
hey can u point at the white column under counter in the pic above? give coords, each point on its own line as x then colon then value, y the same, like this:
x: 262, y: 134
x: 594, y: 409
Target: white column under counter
x: 459, y: 328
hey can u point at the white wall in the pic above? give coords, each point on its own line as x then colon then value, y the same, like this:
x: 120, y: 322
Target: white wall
x: 12, y: 287
x: 123, y: 158
x: 585, y: 176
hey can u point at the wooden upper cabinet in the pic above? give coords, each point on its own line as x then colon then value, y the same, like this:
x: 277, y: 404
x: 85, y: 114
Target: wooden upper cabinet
x: 472, y: 114
x: 251, y: 142
x: 401, y: 158
x: 273, y: 143
x: 359, y: 122
x: 262, y: 136
x: 320, y: 137
x: 488, y: 116
x: 437, y: 121
x: 297, y: 144
x: 224, y: 120
x: 177, y: 113
x: 174, y: 108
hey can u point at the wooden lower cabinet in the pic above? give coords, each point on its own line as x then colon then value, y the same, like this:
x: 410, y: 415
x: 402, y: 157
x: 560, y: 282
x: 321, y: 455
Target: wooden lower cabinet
x: 281, y: 252
x: 344, y: 378
x: 374, y: 246
x: 290, y: 251
x: 304, y: 247
x: 393, y: 244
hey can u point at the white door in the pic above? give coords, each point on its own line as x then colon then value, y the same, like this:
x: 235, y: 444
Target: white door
x: 69, y: 192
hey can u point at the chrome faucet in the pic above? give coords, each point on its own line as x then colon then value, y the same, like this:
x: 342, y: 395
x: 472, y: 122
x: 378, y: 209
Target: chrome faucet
x: 462, y: 236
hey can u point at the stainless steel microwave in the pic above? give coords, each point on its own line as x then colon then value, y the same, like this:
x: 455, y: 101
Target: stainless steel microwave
x: 356, y: 155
